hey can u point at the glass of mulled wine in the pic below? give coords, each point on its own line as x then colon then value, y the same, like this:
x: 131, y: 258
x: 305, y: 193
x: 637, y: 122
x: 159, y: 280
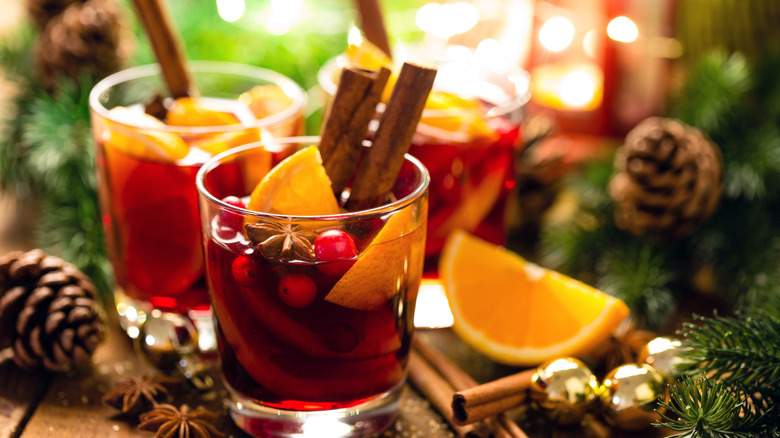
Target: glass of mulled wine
x: 314, y: 314
x: 149, y: 149
x: 466, y: 138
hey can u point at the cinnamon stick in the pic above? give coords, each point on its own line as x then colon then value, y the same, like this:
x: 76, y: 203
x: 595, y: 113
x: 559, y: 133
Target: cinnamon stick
x: 492, y: 398
x: 382, y: 161
x: 159, y: 28
x: 373, y: 24
x: 499, y: 424
x: 500, y: 388
x: 437, y: 390
x: 353, y: 107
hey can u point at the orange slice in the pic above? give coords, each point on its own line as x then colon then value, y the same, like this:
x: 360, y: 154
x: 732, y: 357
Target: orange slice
x: 266, y: 100
x: 368, y: 56
x: 453, y: 113
x: 138, y: 134
x: 297, y: 186
x: 186, y: 111
x: 518, y: 313
x: 392, y: 261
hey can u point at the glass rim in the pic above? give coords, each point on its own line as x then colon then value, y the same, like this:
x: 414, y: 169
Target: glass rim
x: 329, y: 86
x: 196, y: 66
x: 371, y: 213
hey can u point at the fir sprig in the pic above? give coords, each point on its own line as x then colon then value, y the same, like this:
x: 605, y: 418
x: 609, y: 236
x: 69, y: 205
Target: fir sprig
x: 731, y: 378
x: 739, y: 350
x: 702, y: 408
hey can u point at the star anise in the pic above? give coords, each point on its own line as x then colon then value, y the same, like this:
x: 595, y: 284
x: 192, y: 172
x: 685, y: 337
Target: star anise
x: 621, y: 347
x: 282, y: 242
x: 134, y: 395
x: 168, y: 422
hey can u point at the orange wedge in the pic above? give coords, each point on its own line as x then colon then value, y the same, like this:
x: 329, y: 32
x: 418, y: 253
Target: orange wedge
x: 266, y: 100
x: 518, y: 313
x: 367, y: 55
x: 453, y: 113
x: 297, y: 186
x: 381, y: 271
x: 138, y: 134
x: 186, y: 111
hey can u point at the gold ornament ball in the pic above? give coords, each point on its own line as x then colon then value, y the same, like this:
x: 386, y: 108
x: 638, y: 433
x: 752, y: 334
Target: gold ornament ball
x: 563, y: 388
x: 663, y: 354
x: 631, y: 394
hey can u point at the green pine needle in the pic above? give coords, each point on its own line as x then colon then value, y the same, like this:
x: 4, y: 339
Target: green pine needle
x: 705, y: 409
x: 713, y: 91
x: 742, y: 350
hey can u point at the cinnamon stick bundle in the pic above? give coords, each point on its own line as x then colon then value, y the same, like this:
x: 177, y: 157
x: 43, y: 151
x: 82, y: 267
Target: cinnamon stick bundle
x: 498, y: 424
x: 483, y: 401
x: 379, y: 169
x: 159, y: 28
x: 346, y: 122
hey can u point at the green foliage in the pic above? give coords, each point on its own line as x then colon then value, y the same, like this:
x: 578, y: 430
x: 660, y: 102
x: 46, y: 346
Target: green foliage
x: 731, y: 378
x: 705, y: 409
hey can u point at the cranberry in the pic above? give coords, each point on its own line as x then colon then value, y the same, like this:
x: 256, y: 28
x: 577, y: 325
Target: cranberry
x: 337, y: 249
x: 246, y: 271
x: 297, y: 290
x: 229, y: 218
x: 341, y: 337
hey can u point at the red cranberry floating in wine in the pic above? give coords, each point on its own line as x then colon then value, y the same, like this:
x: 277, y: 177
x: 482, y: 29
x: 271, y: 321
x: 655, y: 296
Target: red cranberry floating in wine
x: 297, y: 290
x: 230, y: 219
x: 246, y: 271
x: 337, y: 249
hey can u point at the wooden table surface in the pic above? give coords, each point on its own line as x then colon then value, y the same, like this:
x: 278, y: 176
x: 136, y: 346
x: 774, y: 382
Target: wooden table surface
x: 39, y: 404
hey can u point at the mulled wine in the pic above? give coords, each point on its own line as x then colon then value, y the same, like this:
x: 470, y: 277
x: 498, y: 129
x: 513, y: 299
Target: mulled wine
x: 147, y: 165
x: 314, y: 313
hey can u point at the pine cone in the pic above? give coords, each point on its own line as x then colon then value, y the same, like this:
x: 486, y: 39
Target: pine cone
x: 48, y: 311
x: 42, y: 11
x: 668, y: 180
x: 85, y: 39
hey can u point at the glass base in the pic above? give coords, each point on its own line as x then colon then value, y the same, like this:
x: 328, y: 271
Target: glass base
x: 361, y: 420
x: 134, y: 313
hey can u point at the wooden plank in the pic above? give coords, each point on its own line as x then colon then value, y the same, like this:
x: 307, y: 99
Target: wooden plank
x: 72, y: 408
x: 20, y: 392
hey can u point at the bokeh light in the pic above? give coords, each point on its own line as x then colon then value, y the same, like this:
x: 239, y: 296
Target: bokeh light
x: 556, y: 34
x: 622, y: 29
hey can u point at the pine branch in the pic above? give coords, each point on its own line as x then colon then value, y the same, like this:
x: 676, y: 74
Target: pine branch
x: 713, y: 91
x: 642, y: 276
x: 705, y: 409
x: 741, y: 350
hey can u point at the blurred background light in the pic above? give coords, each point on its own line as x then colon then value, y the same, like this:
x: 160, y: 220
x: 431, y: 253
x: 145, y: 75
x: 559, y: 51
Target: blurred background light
x: 231, y: 10
x: 444, y: 21
x: 556, y: 34
x: 622, y: 29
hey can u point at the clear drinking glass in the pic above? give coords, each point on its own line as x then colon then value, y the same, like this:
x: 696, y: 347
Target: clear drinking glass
x: 307, y: 344
x: 146, y: 172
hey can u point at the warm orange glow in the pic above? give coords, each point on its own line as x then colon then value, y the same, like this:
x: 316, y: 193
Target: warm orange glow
x: 568, y: 86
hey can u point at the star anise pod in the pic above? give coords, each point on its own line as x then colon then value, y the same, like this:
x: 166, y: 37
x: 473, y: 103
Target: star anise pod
x: 282, y: 242
x: 134, y: 395
x: 621, y: 347
x: 168, y: 422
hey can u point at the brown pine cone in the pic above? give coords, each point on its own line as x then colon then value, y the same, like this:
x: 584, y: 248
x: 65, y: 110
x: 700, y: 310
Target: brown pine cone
x: 42, y: 11
x: 87, y: 38
x: 668, y: 180
x: 48, y: 311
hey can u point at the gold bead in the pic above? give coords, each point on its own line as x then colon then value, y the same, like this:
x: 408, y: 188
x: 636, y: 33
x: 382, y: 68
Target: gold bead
x: 631, y: 393
x: 663, y: 354
x: 563, y: 388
